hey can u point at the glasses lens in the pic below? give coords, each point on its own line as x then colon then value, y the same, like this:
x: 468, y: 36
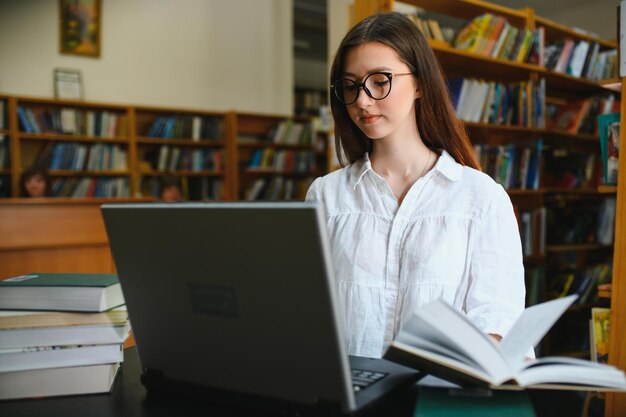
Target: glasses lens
x: 347, y: 90
x: 378, y: 85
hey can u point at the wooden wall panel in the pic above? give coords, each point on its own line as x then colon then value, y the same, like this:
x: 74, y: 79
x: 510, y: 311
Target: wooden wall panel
x: 95, y: 259
x: 53, y: 235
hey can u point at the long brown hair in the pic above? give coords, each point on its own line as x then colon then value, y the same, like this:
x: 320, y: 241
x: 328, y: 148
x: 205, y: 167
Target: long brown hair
x: 436, y: 120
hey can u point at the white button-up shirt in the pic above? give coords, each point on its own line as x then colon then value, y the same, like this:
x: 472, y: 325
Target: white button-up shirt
x: 454, y: 237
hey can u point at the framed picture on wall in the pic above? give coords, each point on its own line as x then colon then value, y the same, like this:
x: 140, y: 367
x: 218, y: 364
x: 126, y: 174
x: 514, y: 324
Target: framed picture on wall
x: 80, y: 27
x: 68, y: 84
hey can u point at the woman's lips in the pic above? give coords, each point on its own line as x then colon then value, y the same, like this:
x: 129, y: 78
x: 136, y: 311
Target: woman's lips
x: 369, y: 119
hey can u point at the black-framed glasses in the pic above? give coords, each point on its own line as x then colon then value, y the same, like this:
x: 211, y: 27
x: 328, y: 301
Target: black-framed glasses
x: 377, y: 85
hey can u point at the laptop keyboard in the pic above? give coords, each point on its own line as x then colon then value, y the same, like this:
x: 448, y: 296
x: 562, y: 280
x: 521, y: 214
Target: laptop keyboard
x: 362, y: 379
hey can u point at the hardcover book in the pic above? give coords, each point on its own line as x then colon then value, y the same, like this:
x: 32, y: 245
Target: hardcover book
x: 61, y: 292
x: 73, y: 380
x: 441, y: 341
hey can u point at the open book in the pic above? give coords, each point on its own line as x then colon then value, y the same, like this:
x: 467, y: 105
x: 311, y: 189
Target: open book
x: 441, y: 341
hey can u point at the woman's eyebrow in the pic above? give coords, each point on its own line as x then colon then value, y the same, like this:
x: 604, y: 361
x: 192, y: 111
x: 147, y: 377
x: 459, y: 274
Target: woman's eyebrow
x: 378, y: 69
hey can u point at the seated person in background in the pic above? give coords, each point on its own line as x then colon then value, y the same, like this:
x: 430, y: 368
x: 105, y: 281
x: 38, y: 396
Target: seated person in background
x: 35, y: 183
x: 170, y: 190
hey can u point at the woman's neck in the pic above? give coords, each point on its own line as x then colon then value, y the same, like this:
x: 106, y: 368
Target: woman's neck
x: 401, y: 163
x: 400, y: 159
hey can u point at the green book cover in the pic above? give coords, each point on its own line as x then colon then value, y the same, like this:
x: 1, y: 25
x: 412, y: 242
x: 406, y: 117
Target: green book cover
x: 41, y: 279
x: 440, y: 402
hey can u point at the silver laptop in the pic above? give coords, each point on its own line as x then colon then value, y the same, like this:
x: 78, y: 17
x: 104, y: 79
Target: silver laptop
x: 238, y: 299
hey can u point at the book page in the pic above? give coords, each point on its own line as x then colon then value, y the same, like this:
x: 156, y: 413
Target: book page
x: 530, y: 328
x: 442, y: 325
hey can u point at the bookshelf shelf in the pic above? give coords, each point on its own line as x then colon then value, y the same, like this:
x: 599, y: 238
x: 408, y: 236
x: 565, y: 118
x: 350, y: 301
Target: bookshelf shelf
x: 604, y: 294
x: 70, y: 173
x: 555, y: 30
x: 183, y: 173
x: 566, y: 82
x: 69, y: 138
x: 272, y: 145
x: 607, y: 189
x: 181, y: 142
x: 467, y: 63
x: 613, y: 85
x: 577, y: 247
x: 274, y: 172
x: 73, y: 103
x: 529, y: 132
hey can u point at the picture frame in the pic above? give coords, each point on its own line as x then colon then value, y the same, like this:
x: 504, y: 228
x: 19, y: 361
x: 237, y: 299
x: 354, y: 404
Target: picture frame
x: 68, y: 84
x: 79, y: 26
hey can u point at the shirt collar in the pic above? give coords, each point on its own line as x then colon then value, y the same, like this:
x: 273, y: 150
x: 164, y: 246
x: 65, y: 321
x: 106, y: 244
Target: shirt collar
x: 446, y: 165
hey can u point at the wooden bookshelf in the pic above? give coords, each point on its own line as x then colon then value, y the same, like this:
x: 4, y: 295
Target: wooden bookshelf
x: 616, y: 403
x: 55, y: 133
x: 221, y: 174
x: 269, y: 136
x: 189, y: 145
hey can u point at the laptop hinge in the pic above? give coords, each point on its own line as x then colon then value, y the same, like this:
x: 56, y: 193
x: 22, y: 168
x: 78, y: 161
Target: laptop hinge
x: 155, y: 381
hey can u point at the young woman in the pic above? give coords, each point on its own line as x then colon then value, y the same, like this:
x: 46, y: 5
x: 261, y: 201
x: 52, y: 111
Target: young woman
x: 411, y: 219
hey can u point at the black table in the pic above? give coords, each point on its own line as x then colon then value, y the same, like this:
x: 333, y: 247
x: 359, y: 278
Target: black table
x: 129, y: 399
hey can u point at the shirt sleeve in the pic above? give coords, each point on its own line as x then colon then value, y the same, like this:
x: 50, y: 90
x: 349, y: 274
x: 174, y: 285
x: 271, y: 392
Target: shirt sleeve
x: 313, y: 193
x: 496, y: 293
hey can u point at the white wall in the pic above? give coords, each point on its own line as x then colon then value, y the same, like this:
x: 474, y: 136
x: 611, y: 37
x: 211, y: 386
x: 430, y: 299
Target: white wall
x: 213, y: 54
x: 338, y: 25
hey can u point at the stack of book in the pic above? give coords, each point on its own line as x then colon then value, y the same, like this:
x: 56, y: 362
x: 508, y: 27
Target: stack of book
x: 60, y: 334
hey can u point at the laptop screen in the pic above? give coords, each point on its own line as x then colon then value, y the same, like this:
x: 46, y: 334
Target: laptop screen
x: 235, y: 296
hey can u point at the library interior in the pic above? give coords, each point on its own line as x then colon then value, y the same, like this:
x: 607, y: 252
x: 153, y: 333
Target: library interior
x: 156, y: 103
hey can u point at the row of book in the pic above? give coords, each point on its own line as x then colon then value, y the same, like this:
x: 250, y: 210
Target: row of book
x: 498, y: 103
x: 90, y: 187
x: 283, y: 160
x: 513, y: 166
x: 60, y: 334
x: 581, y: 59
x: 277, y: 188
x: 290, y: 132
x: 492, y: 35
x: 83, y: 157
x: 173, y: 158
x: 581, y: 116
x: 571, y: 169
x: 192, y: 188
x: 5, y: 153
x: 583, y: 283
x: 72, y: 121
x: 195, y: 128
x: 584, y: 223
x: 431, y: 29
x: 308, y: 102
